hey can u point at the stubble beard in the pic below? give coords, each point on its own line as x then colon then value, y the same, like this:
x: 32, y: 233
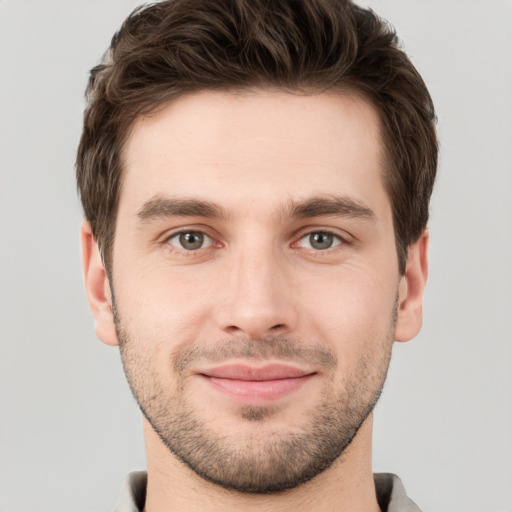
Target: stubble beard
x: 275, y: 460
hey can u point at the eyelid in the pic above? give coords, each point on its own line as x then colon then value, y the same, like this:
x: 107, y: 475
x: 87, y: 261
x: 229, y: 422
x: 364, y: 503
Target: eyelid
x: 337, y: 240
x: 343, y: 236
x: 189, y: 229
x: 206, y: 238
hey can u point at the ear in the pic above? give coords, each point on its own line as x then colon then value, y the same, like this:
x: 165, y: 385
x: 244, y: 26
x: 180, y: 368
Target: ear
x: 410, y: 291
x: 97, y: 287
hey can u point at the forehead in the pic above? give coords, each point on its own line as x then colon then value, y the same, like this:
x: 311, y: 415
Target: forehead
x: 249, y: 147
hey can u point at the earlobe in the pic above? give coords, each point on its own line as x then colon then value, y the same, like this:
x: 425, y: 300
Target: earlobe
x: 410, y: 291
x: 97, y: 287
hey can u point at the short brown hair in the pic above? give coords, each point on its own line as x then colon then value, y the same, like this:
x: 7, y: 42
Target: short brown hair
x: 174, y: 47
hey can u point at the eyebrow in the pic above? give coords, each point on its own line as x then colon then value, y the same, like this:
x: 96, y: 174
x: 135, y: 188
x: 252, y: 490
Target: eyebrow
x: 160, y: 207
x: 335, y: 205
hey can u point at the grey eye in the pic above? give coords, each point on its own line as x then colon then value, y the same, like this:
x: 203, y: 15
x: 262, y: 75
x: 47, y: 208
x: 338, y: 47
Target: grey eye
x: 319, y: 240
x: 190, y: 240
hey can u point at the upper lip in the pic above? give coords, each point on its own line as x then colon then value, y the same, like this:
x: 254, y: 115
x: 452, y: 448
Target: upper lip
x: 251, y: 373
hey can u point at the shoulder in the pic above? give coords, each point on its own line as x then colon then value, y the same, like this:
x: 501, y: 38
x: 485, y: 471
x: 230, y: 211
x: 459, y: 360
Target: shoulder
x: 391, y: 494
x: 133, y: 493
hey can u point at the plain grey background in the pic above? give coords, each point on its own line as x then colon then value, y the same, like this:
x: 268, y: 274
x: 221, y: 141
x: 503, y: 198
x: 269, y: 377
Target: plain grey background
x: 69, y: 427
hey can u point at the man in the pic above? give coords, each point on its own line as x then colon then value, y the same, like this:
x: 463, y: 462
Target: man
x: 255, y: 177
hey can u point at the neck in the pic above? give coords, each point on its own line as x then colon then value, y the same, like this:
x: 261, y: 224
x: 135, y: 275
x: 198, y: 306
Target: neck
x: 346, y: 486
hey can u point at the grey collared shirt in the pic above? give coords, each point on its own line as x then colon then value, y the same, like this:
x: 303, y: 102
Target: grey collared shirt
x: 390, y: 493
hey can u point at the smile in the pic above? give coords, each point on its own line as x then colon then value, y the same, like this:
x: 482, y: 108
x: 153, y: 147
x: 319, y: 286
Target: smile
x: 250, y: 385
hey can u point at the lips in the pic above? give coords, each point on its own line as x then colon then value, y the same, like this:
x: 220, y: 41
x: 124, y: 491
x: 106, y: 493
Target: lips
x: 256, y: 385
x: 248, y: 373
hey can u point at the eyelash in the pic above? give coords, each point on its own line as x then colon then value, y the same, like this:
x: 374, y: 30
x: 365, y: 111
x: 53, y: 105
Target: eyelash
x: 340, y: 240
x: 182, y: 250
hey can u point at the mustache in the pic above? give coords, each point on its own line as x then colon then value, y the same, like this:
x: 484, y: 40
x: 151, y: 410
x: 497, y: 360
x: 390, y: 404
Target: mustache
x: 280, y: 348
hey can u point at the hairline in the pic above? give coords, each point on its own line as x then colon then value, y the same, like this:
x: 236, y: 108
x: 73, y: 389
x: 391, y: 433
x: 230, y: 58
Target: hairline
x: 344, y: 88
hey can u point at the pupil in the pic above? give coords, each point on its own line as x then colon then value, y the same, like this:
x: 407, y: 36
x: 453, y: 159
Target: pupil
x: 191, y: 240
x: 321, y: 240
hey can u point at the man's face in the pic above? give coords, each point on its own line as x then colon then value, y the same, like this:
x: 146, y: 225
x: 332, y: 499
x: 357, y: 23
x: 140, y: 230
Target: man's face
x: 255, y: 280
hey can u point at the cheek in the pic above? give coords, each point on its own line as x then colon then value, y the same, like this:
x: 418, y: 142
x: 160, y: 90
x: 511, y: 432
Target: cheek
x: 353, y: 310
x: 165, y: 308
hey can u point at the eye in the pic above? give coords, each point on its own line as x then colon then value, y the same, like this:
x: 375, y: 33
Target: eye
x: 319, y: 240
x: 190, y: 240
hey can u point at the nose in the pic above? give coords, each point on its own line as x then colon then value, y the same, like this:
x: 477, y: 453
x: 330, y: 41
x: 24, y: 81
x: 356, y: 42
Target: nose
x: 257, y: 298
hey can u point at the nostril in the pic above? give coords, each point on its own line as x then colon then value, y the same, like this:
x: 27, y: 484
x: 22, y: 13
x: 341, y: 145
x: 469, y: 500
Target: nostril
x: 255, y: 332
x: 232, y: 329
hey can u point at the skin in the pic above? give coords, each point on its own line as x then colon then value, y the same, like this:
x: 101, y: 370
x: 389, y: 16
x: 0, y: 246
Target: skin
x: 255, y: 155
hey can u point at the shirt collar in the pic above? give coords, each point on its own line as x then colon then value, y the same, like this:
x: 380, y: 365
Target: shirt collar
x: 390, y: 491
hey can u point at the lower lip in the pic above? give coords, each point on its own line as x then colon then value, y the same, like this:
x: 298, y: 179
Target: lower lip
x: 258, y: 391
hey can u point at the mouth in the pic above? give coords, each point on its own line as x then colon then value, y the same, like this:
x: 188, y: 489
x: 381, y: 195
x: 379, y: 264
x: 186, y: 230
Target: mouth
x: 256, y: 385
